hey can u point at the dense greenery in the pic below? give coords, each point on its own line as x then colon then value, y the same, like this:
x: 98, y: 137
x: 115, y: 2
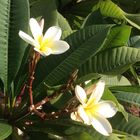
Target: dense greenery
x: 104, y: 44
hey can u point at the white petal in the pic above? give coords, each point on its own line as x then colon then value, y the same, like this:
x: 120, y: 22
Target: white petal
x: 59, y: 47
x: 27, y: 38
x: 52, y: 34
x: 97, y: 93
x: 83, y: 115
x: 106, y: 108
x: 37, y: 50
x: 74, y: 116
x: 41, y: 23
x: 80, y: 94
x: 46, y: 53
x: 35, y: 29
x: 102, y: 125
x: 20, y: 132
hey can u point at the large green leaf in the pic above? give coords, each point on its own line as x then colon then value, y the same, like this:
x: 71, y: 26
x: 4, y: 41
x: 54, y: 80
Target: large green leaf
x: 131, y: 127
x: 71, y: 130
x: 111, y: 62
x: 39, y: 9
x: 83, y: 45
x: 5, y: 130
x: 110, y: 9
x: 14, y: 16
x: 68, y: 129
x: 118, y: 36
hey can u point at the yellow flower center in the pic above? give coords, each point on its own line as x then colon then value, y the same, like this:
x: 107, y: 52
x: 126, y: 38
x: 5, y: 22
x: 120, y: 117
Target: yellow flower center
x: 90, y: 109
x: 43, y: 44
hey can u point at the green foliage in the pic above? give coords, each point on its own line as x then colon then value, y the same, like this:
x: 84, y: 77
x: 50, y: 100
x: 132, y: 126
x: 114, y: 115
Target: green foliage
x: 14, y: 16
x: 81, y: 41
x: 110, y: 9
x: 38, y: 10
x: 112, y: 61
x: 102, y: 44
x: 131, y: 127
x: 5, y: 130
x: 128, y: 94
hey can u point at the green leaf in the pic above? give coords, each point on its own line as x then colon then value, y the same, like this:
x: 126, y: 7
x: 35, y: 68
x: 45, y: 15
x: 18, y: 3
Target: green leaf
x: 132, y: 23
x: 93, y: 18
x: 128, y: 88
x: 72, y: 130
x: 118, y: 80
x: 110, y: 9
x: 45, y: 9
x: 129, y: 94
x: 63, y: 23
x: 38, y: 135
x: 81, y: 9
x: 60, y: 101
x: 135, y: 18
x: 134, y: 41
x: 69, y: 129
x: 75, y: 12
x: 83, y: 45
x: 63, y: 3
x: 111, y: 62
x: 118, y: 36
x: 131, y: 127
x: 13, y: 17
x: 5, y: 130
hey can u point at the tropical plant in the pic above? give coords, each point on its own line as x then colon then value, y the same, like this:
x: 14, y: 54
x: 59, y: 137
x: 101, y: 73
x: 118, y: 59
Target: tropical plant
x: 100, y: 42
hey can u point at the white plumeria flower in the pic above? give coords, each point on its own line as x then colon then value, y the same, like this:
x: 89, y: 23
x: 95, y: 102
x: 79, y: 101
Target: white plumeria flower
x: 48, y: 44
x: 94, y: 112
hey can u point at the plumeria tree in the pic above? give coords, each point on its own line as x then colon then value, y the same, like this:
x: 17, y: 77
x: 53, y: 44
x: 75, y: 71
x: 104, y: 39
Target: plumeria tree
x: 69, y: 70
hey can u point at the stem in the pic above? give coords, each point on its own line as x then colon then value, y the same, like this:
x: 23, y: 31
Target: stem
x: 19, y: 98
x: 32, y: 67
x: 43, y: 115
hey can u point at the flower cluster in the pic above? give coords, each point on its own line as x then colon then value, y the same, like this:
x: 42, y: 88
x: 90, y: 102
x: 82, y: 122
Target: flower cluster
x: 48, y: 44
x: 94, y: 111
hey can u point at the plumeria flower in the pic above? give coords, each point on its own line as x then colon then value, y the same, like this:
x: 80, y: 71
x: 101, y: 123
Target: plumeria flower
x: 48, y: 44
x: 94, y: 111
